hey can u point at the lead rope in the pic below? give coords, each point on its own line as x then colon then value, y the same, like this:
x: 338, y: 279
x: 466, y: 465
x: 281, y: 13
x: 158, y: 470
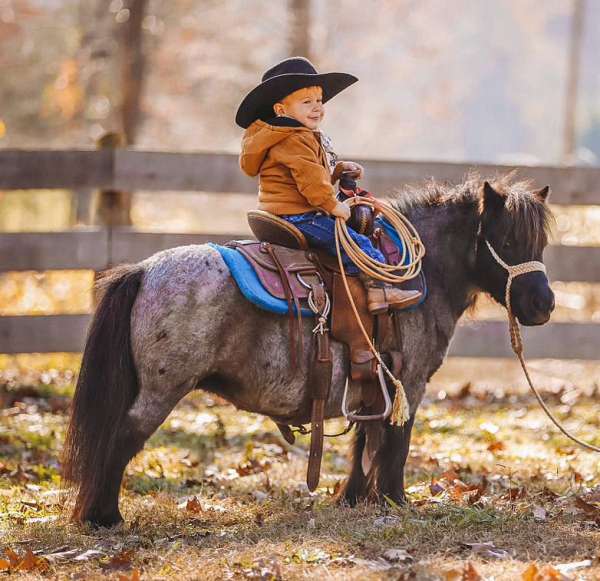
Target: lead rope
x: 516, y: 340
x: 410, y: 265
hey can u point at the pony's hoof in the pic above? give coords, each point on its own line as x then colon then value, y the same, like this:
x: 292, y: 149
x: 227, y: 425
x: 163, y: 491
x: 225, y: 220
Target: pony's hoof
x: 391, y: 500
x: 109, y: 521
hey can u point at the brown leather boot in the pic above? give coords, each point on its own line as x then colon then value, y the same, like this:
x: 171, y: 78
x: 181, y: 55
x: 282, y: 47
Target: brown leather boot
x: 383, y: 296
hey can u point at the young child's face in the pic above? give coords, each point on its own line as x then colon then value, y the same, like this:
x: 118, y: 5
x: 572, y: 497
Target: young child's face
x: 304, y: 105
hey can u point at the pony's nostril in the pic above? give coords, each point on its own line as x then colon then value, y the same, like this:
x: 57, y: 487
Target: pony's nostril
x: 544, y: 303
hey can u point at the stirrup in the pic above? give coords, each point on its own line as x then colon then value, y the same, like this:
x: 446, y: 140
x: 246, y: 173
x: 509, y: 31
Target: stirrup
x: 352, y: 416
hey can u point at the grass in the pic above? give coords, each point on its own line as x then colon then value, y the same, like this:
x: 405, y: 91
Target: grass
x: 217, y: 494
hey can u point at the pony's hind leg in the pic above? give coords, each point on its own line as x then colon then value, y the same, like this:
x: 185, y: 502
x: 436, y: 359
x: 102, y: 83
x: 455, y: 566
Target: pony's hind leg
x: 149, y: 411
x: 355, y: 487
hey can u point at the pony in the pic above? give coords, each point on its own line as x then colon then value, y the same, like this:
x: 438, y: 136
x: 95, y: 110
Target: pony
x: 177, y: 322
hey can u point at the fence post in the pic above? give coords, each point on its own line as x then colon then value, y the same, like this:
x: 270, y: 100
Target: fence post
x: 110, y: 208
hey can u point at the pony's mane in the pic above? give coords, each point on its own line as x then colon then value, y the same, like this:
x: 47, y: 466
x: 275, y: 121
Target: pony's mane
x: 530, y: 218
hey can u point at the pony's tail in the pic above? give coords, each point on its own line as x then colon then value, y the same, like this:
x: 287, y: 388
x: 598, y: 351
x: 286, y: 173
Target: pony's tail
x: 106, y: 388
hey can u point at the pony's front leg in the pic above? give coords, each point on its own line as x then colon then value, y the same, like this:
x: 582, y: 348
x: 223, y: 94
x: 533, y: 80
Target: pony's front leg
x: 388, y: 466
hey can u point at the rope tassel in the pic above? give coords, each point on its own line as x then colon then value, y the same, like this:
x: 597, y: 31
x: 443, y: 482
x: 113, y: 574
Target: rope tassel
x: 401, y: 410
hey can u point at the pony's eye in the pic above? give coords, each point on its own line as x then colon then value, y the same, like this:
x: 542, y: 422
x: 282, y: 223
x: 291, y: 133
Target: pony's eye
x: 507, y: 244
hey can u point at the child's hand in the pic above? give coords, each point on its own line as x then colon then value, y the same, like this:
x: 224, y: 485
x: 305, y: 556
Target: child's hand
x: 342, y: 210
x: 355, y: 170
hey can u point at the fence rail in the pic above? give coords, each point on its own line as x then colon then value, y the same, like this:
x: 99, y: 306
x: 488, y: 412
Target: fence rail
x: 218, y: 172
x: 98, y: 248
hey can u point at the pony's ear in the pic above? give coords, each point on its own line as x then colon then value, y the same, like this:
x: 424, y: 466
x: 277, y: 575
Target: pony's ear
x: 492, y: 200
x: 542, y: 194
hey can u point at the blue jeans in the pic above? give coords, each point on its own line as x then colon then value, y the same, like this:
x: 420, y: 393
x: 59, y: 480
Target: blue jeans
x: 319, y: 230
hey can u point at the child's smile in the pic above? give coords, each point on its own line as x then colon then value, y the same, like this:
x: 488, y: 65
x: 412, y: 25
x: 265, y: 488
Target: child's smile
x: 304, y: 105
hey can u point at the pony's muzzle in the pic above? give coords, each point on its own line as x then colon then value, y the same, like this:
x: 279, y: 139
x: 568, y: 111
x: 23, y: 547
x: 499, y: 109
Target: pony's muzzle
x: 532, y: 299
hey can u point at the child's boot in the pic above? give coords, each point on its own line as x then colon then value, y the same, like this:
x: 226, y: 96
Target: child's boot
x: 382, y: 296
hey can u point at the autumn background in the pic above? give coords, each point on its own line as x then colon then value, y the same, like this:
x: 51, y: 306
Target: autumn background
x: 217, y: 494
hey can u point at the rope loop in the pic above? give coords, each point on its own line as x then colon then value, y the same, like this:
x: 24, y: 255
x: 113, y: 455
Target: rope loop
x: 409, y: 267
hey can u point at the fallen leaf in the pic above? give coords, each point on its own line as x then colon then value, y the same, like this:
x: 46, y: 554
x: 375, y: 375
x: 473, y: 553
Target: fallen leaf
x: 31, y: 562
x: 488, y: 550
x: 496, y: 446
x: 60, y: 555
x: 467, y: 573
x: 89, y: 554
x: 547, y: 573
x: 135, y: 576
x: 397, y: 555
x: 568, y: 567
x: 589, y: 509
x: 310, y: 556
x: 436, y: 488
x: 386, y: 521
x: 4, y: 565
x: 193, y: 505
x: 515, y: 493
x: 539, y: 513
x: 120, y: 561
x: 373, y: 564
x: 13, y: 558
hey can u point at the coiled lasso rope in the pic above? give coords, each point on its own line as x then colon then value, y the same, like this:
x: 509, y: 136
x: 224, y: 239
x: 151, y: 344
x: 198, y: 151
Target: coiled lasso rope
x: 409, y: 267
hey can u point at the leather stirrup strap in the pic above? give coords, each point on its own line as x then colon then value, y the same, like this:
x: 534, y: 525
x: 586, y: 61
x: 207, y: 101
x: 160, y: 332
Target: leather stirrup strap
x: 320, y: 382
x: 294, y: 324
x: 316, y: 444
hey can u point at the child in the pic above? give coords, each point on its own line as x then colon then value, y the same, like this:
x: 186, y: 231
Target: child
x: 283, y: 145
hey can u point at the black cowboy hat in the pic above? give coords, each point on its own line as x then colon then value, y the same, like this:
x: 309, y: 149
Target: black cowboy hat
x: 285, y: 78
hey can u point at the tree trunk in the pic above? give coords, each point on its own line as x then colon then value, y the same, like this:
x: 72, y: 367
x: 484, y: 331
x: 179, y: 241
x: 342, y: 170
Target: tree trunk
x: 132, y: 68
x: 300, y: 28
x: 574, y: 65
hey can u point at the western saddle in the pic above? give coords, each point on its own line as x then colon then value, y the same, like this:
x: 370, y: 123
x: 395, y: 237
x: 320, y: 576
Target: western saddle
x: 306, y: 277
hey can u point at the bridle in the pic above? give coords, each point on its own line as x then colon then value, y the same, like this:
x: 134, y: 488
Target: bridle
x: 516, y: 339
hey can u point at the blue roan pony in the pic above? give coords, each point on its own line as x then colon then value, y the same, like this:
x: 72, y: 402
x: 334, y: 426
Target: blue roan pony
x: 177, y: 322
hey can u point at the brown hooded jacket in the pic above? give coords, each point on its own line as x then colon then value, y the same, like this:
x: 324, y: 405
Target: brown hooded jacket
x: 289, y: 159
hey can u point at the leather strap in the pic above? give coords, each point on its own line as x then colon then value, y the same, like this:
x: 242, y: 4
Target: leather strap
x: 295, y: 324
x: 320, y: 383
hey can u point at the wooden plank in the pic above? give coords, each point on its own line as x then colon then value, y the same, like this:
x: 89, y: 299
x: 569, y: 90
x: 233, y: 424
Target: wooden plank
x: 88, y: 249
x: 43, y: 334
x: 570, y: 185
x: 573, y: 263
x: 51, y: 169
x: 554, y: 341
x: 77, y: 249
x: 208, y: 172
x: 219, y: 172
x: 486, y: 339
x: 129, y: 245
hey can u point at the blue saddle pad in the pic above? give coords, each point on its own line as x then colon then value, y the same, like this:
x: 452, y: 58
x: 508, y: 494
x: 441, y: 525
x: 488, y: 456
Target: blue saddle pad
x: 250, y: 286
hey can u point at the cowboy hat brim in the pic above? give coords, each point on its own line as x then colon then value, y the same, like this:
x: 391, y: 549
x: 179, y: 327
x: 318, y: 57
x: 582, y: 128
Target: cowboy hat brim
x: 258, y: 103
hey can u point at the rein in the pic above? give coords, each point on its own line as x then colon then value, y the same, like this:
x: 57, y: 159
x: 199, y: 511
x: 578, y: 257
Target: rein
x: 516, y: 340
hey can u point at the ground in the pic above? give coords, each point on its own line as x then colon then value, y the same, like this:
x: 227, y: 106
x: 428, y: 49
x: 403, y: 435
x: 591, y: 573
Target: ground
x: 216, y: 494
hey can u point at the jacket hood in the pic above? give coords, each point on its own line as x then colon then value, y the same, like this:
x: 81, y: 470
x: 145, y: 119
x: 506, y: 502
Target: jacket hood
x: 261, y: 136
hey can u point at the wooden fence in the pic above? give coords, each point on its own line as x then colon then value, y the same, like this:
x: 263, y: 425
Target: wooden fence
x: 98, y: 248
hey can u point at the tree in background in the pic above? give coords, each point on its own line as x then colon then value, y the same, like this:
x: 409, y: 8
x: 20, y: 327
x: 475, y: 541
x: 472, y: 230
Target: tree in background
x: 300, y: 28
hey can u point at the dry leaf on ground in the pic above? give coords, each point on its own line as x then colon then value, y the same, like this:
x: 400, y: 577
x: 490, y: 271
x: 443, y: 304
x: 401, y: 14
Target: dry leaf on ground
x: 547, y: 573
x: 467, y: 573
x: 488, y: 550
x: 397, y: 555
